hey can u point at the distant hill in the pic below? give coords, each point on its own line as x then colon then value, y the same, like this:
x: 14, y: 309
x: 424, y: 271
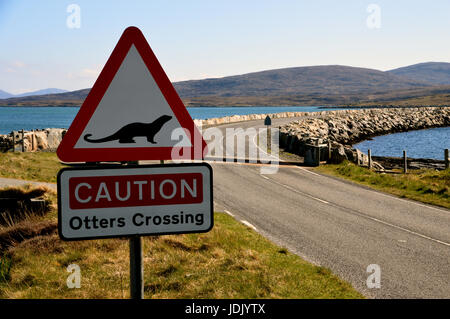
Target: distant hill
x: 73, y: 98
x: 42, y: 92
x: 315, y: 85
x: 323, y: 80
x: 5, y: 95
x: 437, y: 73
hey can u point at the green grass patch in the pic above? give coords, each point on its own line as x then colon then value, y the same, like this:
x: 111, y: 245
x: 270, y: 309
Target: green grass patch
x: 36, y: 166
x: 5, y: 268
x: 427, y: 186
x: 231, y: 261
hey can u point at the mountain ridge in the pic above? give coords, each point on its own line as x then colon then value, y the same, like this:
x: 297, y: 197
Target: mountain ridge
x: 437, y: 73
x: 6, y: 95
x: 324, y: 84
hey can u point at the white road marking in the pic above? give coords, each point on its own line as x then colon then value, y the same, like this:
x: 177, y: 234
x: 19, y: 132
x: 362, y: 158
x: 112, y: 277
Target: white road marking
x: 227, y: 212
x: 295, y: 190
x: 407, y: 230
x: 383, y: 194
x: 246, y: 223
x: 412, y: 202
x: 362, y: 215
x: 307, y: 170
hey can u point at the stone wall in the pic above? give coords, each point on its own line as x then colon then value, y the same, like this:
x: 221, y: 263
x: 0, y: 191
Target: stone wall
x: 36, y: 140
x: 250, y: 117
x: 344, y: 128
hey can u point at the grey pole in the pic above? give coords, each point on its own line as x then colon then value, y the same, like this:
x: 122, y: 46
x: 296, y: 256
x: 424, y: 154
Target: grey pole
x: 14, y: 141
x: 136, y: 270
x: 32, y: 141
x: 447, y: 159
x: 405, y: 163
x: 369, y: 154
x: 317, y: 152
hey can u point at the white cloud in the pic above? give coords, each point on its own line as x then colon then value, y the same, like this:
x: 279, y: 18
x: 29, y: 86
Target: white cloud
x: 14, y: 66
x: 18, y: 64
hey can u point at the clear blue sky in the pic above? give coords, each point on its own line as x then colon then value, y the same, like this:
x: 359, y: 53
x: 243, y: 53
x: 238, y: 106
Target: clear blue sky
x: 199, y: 39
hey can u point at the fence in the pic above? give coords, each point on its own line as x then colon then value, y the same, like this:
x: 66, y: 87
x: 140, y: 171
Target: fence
x: 405, y: 160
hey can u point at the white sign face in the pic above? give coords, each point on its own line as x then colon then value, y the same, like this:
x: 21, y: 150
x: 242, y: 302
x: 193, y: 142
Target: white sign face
x: 134, y: 200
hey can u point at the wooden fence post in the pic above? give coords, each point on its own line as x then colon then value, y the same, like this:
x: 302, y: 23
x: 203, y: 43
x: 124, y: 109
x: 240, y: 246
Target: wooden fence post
x: 405, y: 163
x: 369, y: 155
x: 447, y: 159
x: 32, y: 141
x: 329, y: 151
x: 318, y: 152
x: 23, y: 141
x: 14, y: 141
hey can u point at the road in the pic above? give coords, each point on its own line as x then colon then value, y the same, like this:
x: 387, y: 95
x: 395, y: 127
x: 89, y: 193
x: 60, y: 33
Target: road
x: 342, y: 226
x: 11, y: 182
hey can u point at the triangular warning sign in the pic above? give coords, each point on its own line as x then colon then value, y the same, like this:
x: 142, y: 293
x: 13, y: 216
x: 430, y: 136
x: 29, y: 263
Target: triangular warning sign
x: 132, y: 112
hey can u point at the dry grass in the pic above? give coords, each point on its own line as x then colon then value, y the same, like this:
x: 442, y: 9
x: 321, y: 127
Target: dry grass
x: 16, y: 205
x: 231, y: 261
x: 11, y: 236
x: 22, y: 193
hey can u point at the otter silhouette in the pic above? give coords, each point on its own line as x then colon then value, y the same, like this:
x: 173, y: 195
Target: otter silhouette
x: 127, y: 133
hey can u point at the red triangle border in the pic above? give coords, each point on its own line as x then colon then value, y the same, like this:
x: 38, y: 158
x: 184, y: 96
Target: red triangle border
x: 66, y: 151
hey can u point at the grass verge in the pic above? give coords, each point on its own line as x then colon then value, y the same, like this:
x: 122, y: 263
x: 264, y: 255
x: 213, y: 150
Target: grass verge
x: 36, y: 166
x: 231, y: 261
x: 427, y: 186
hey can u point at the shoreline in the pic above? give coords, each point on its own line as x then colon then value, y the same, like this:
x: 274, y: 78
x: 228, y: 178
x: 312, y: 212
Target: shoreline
x: 328, y: 114
x: 343, y: 129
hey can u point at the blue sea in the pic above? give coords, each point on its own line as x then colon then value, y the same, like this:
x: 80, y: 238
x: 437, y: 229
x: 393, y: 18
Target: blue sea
x: 28, y: 118
x: 429, y: 143
x: 418, y: 144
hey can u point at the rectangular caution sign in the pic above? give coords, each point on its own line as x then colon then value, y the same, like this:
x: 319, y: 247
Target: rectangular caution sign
x: 134, y: 200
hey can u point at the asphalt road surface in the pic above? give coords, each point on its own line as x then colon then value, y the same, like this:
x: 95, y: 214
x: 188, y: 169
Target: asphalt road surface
x: 342, y: 226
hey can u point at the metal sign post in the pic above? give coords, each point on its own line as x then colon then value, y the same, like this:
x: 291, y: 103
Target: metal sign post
x: 132, y: 200
x: 136, y: 269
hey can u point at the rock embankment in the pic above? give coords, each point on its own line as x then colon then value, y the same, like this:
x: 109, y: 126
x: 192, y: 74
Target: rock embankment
x: 249, y: 117
x: 49, y: 139
x: 36, y: 140
x: 344, y: 128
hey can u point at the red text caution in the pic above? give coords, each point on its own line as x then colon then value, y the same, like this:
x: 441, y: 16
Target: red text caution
x: 135, y: 190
